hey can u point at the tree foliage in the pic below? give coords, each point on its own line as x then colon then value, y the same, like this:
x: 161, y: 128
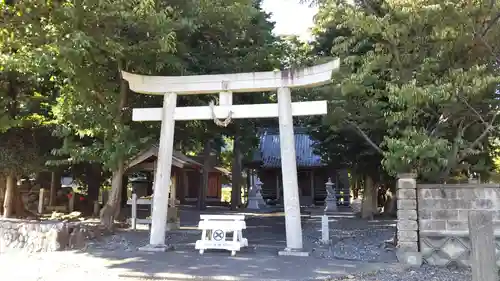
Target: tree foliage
x: 417, y: 83
x: 27, y: 89
x: 60, y: 77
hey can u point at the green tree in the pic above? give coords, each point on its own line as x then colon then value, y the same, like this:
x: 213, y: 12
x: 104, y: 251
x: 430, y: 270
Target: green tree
x: 239, y: 41
x: 98, y: 39
x: 178, y: 38
x: 27, y: 92
x: 425, y: 79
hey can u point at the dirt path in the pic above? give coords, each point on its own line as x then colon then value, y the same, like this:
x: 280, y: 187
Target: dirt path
x: 183, y: 264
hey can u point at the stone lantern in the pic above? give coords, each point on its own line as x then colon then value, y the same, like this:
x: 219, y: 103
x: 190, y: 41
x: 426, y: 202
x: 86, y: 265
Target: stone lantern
x: 255, y: 200
x: 331, y: 198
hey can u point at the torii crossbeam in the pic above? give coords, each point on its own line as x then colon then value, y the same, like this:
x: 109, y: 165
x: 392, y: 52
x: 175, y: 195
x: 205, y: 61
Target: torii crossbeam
x: 226, y: 85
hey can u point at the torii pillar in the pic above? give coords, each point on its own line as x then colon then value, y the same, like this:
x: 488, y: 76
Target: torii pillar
x: 225, y: 85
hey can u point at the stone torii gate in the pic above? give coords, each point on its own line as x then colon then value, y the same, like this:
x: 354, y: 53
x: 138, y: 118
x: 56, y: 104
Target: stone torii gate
x: 225, y: 85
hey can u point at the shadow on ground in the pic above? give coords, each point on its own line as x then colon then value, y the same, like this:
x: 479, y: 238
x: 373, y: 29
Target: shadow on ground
x: 266, y: 235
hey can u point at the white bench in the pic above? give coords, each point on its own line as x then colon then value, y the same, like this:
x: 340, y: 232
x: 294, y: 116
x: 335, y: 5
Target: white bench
x: 215, y: 229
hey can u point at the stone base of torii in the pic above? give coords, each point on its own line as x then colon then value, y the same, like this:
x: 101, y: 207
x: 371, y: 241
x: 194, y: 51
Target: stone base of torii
x: 225, y: 85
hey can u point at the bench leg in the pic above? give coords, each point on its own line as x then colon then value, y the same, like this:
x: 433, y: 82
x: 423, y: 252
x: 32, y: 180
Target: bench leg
x: 203, y: 238
x: 241, y: 239
x: 235, y: 240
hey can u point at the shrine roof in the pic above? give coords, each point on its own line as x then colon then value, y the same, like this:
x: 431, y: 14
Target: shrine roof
x: 269, y: 155
x: 178, y: 160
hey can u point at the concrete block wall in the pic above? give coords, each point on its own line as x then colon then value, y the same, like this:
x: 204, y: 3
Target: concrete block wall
x: 443, y: 219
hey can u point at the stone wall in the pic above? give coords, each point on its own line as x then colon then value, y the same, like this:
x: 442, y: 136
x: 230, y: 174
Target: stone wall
x: 443, y: 220
x: 40, y: 236
x: 407, y: 213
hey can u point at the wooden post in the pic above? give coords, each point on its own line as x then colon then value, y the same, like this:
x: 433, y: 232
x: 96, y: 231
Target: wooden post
x: 278, y: 190
x: 97, y: 208
x: 173, y: 190
x: 313, y: 201
x: 41, y: 199
x: 200, y: 185
x: 134, y: 211
x: 483, y: 259
x: 202, y: 191
x: 55, y: 184
x: 236, y: 176
x: 104, y: 196
x: 185, y: 186
x: 71, y: 206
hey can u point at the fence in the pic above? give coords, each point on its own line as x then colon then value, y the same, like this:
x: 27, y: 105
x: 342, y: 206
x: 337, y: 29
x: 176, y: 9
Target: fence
x: 433, y: 219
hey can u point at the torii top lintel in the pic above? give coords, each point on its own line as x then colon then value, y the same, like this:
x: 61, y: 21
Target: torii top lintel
x: 239, y: 82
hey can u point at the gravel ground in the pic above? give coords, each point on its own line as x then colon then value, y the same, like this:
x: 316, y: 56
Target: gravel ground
x: 355, y: 246
x: 353, y: 239
x: 130, y: 241
x: 424, y: 273
x: 364, y: 245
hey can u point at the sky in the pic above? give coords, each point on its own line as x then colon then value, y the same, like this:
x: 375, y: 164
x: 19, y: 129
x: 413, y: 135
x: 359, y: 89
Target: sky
x: 291, y: 17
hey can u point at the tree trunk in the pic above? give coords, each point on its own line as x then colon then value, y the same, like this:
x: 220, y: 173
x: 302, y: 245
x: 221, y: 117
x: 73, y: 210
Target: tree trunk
x: 9, y: 201
x: 369, y: 205
x: 3, y: 187
x: 55, y: 185
x: 355, y: 186
x: 202, y: 191
x: 13, y: 205
x: 390, y: 207
x: 248, y: 186
x: 124, y: 195
x: 355, y: 191
x: 111, y: 209
x: 375, y: 198
x: 94, y: 180
x: 237, y: 178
